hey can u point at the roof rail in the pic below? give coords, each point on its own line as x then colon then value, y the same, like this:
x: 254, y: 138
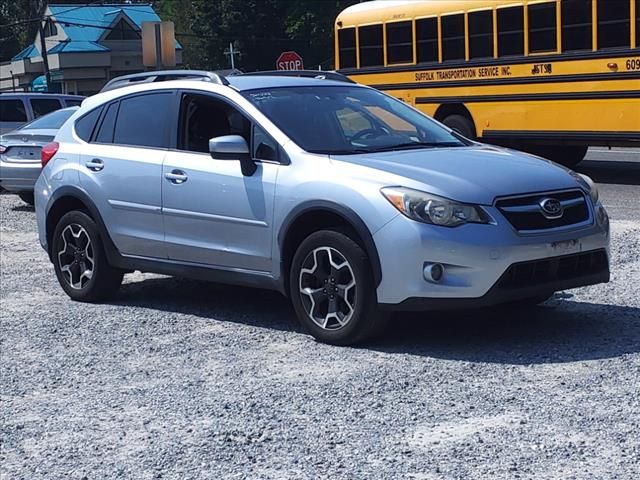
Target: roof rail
x: 164, y: 76
x: 319, y: 74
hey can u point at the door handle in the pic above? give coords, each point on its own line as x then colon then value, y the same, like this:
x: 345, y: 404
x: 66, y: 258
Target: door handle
x: 95, y: 165
x: 176, y: 176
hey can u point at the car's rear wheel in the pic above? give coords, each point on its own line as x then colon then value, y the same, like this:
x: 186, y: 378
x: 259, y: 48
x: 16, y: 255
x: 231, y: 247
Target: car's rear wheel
x: 80, y: 261
x: 27, y: 197
x: 332, y: 289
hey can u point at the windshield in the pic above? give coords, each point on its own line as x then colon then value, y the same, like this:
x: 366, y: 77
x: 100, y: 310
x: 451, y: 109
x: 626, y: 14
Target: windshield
x: 345, y: 120
x: 51, y: 121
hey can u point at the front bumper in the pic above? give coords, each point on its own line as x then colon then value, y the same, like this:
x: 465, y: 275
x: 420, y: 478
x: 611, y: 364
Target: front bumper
x: 476, y: 258
x: 19, y: 176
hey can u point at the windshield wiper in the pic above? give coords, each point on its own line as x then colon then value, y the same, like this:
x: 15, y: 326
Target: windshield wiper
x: 410, y: 145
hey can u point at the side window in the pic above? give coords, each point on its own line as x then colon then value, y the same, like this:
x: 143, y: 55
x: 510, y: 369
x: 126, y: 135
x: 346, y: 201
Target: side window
x: 481, y: 34
x: 614, y: 24
x: 452, y: 37
x: 347, y: 47
x: 12, y: 110
x: 399, y: 42
x: 71, y: 102
x: 427, y: 39
x: 144, y: 120
x: 85, y: 125
x: 203, y: 117
x: 637, y: 23
x: 576, y: 25
x: 371, y: 51
x: 107, y: 127
x: 42, y: 106
x: 263, y: 147
x: 510, y: 31
x: 542, y: 28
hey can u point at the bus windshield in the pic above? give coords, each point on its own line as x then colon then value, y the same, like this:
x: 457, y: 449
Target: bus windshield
x: 345, y: 120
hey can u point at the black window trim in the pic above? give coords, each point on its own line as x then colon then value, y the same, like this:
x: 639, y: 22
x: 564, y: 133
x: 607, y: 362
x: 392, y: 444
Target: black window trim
x: 98, y: 125
x: 283, y: 158
x: 95, y: 125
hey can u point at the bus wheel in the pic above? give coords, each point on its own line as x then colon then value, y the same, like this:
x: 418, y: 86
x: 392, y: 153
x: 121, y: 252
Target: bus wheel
x: 567, y: 155
x: 462, y: 125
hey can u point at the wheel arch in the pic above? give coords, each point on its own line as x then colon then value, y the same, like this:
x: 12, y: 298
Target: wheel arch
x: 447, y: 109
x: 318, y: 215
x: 67, y: 199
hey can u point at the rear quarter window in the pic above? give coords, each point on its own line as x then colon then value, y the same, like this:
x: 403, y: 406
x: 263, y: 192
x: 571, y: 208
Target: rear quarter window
x: 12, y: 110
x: 42, y: 106
x: 87, y: 123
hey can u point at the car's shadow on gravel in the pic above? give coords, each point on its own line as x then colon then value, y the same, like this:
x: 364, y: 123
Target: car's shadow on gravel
x: 560, y: 331
x: 24, y: 208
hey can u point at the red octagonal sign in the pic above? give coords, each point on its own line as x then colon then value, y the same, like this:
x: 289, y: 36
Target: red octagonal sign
x: 289, y: 61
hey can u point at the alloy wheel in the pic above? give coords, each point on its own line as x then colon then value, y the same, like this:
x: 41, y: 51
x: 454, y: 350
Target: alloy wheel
x: 75, y: 258
x: 327, y: 287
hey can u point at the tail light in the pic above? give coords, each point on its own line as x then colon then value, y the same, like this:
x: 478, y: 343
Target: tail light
x: 48, y: 151
x: 3, y: 149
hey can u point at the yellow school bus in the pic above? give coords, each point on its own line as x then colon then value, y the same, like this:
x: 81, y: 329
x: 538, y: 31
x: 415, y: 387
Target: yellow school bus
x: 548, y: 76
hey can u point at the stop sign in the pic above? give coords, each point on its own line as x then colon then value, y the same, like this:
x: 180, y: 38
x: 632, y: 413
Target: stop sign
x: 289, y: 61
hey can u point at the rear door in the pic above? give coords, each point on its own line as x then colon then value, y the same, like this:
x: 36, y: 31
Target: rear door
x: 122, y: 167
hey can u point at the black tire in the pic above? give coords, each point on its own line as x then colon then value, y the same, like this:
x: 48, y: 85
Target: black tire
x: 567, y: 155
x: 462, y: 125
x: 104, y: 280
x: 27, y: 197
x: 364, y: 320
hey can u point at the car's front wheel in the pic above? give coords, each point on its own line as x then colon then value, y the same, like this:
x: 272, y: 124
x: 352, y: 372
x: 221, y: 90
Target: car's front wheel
x: 80, y: 261
x: 332, y: 289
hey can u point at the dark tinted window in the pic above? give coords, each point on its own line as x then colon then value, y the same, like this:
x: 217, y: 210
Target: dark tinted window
x: 510, y: 31
x: 481, y: 34
x: 53, y: 120
x: 614, y: 26
x: 86, y: 124
x: 347, y: 47
x: 70, y: 102
x: 399, y: 42
x: 452, y: 37
x: 542, y: 28
x: 12, y: 110
x: 264, y: 148
x: 122, y: 31
x: 143, y: 120
x: 371, y: 51
x: 576, y: 25
x: 42, y: 106
x: 427, y: 38
x: 106, y: 129
x: 637, y: 23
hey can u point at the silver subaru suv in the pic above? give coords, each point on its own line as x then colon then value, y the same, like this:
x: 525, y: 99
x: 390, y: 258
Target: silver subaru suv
x: 349, y: 201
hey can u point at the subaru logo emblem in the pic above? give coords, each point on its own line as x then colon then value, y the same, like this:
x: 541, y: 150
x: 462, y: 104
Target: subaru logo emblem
x: 551, y: 208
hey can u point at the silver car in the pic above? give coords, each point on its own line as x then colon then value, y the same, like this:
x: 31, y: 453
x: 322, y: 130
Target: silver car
x: 20, y: 152
x: 348, y: 201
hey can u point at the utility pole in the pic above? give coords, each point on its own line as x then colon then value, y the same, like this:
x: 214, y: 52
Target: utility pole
x: 232, y: 52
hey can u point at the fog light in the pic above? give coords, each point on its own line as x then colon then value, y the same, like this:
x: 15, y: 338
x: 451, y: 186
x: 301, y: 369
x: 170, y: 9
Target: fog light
x: 433, y: 272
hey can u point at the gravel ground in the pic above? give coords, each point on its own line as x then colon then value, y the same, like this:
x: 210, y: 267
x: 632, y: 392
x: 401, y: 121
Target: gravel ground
x: 181, y: 379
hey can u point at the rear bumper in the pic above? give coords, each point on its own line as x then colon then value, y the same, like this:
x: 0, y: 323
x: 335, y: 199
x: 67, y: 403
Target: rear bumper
x: 19, y: 176
x: 524, y: 280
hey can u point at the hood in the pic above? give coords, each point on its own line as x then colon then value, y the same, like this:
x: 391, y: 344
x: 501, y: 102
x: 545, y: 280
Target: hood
x: 476, y: 174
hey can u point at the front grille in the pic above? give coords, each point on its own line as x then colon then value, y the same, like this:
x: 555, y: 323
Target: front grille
x: 526, y: 214
x: 568, y: 267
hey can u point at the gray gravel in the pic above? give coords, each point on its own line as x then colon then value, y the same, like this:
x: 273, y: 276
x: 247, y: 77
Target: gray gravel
x: 181, y: 379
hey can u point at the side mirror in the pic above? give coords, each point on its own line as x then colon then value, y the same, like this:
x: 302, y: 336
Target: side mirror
x: 232, y: 147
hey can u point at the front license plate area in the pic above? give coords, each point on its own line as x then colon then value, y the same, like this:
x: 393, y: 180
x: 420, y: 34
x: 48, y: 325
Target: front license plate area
x: 566, y: 246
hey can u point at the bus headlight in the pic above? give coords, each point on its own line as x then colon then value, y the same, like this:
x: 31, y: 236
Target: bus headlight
x: 428, y: 208
x: 588, y: 184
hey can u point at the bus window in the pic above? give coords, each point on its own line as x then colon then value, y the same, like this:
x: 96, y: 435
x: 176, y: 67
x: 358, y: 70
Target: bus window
x: 542, y: 28
x: 510, y: 31
x: 614, y: 29
x: 481, y: 34
x: 399, y: 42
x: 452, y: 37
x: 371, y: 49
x: 576, y: 25
x: 637, y: 23
x: 427, y: 38
x: 347, y: 47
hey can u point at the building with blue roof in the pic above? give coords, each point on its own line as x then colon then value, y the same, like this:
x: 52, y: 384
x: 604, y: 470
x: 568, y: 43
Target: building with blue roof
x: 87, y: 45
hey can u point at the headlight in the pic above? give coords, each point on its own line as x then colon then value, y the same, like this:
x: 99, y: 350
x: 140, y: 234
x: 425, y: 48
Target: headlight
x: 588, y: 184
x: 428, y: 208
